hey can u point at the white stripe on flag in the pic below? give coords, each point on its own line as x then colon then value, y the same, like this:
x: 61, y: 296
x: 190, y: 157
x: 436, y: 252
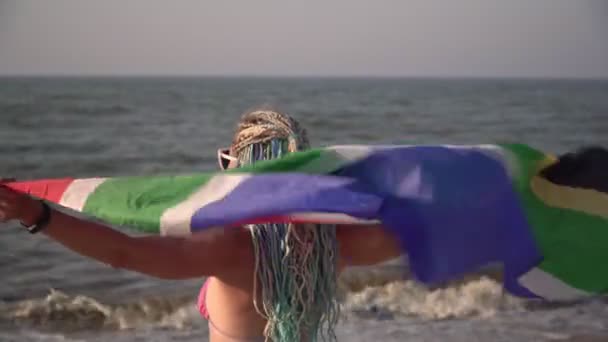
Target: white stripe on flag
x: 496, y: 152
x: 550, y: 287
x: 176, y: 221
x: 333, y: 158
x: 354, y: 153
x: 78, y: 192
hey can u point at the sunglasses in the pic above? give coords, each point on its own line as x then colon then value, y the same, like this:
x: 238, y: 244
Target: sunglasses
x: 224, y: 158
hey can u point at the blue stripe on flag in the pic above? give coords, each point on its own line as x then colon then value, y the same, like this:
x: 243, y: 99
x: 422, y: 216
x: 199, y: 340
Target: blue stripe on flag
x: 281, y: 194
x: 455, y: 210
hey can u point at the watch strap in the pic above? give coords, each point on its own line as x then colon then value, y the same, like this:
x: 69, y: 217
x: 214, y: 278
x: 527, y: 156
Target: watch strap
x: 42, y: 221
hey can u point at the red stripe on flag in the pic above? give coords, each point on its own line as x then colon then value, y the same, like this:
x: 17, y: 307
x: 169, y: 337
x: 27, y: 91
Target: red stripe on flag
x: 48, y: 189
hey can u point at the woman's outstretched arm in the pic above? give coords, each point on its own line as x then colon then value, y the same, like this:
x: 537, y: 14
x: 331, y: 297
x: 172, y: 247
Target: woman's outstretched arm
x: 207, y: 253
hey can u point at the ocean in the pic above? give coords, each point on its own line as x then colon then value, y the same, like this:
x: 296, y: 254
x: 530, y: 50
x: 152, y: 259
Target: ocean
x: 82, y: 127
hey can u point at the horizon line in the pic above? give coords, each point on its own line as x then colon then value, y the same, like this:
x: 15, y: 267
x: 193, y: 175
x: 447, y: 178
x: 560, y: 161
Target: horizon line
x: 296, y: 76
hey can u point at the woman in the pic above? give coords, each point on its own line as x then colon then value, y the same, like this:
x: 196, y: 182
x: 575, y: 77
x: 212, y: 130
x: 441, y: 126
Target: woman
x: 266, y: 282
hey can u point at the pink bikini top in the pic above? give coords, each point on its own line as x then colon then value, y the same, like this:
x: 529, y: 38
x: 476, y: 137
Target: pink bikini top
x: 202, y: 297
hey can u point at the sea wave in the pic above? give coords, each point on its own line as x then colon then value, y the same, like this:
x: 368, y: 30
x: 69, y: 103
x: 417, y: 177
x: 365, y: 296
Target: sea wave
x: 378, y: 292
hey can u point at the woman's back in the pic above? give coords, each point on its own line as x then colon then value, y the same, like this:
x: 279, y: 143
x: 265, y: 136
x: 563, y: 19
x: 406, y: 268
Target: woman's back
x: 227, y: 301
x: 232, y: 314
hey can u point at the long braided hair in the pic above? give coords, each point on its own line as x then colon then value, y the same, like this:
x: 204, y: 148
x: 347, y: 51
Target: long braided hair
x: 295, y: 264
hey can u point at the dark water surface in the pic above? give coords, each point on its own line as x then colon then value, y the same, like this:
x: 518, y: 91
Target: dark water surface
x: 120, y: 126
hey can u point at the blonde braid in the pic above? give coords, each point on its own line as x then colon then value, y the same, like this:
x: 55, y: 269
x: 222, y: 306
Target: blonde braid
x: 263, y: 125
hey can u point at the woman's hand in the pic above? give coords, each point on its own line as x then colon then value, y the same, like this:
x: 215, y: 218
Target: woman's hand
x: 17, y: 206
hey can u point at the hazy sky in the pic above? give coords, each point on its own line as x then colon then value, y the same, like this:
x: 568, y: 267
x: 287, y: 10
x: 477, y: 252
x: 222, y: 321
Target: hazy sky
x: 530, y: 38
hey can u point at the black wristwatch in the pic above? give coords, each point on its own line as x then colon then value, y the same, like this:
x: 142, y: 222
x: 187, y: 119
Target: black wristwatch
x: 42, y: 221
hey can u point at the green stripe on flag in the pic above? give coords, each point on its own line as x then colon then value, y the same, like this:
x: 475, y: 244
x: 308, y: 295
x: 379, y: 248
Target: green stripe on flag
x: 574, y: 244
x: 315, y: 161
x: 139, y: 202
